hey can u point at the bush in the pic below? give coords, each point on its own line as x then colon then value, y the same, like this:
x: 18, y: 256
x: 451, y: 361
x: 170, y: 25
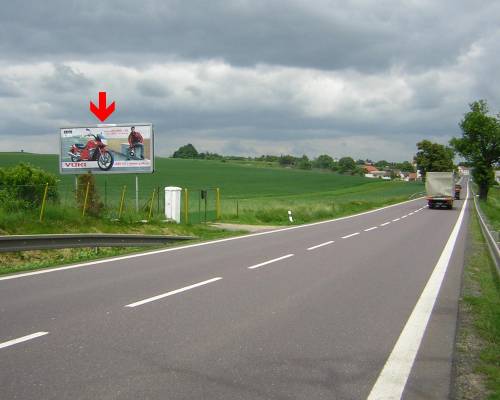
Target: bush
x: 22, y: 187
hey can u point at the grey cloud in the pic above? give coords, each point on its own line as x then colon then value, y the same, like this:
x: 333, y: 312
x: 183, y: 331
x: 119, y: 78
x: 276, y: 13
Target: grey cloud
x: 150, y: 88
x: 64, y: 78
x: 431, y: 46
x: 324, y: 35
x: 8, y: 88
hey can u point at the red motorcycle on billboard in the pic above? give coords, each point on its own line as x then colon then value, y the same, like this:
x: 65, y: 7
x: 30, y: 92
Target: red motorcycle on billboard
x: 94, y: 150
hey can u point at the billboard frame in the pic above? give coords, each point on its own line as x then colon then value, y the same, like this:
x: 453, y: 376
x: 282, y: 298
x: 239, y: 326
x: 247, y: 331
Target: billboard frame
x: 84, y: 171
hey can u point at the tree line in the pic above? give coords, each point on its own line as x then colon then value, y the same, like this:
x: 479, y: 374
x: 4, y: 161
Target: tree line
x: 345, y: 165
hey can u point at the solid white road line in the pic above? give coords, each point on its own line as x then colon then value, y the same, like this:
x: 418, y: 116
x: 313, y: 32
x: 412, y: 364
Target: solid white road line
x: 351, y: 235
x: 22, y: 339
x: 385, y: 223
x: 321, y: 245
x: 392, y: 379
x: 397, y: 219
x: 208, y: 243
x: 371, y: 229
x: 270, y: 261
x: 161, y: 296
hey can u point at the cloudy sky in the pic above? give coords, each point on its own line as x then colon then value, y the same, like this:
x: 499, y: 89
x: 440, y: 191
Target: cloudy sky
x: 249, y: 77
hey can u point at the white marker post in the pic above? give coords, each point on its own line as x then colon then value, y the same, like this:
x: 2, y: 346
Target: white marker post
x: 290, y: 218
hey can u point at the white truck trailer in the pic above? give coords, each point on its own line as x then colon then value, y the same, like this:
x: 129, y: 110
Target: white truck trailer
x: 440, y: 188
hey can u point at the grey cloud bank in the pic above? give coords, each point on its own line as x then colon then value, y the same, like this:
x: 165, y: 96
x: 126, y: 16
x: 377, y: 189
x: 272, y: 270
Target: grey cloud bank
x: 250, y: 77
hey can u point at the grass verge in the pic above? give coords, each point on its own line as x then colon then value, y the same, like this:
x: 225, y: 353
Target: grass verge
x: 478, y: 340
x: 491, y: 207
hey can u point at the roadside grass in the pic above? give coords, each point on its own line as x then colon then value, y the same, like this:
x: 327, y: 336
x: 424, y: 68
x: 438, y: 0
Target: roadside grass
x: 479, y: 342
x: 309, y: 207
x: 491, y: 207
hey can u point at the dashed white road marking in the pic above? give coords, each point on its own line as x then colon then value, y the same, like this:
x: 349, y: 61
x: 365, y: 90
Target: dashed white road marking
x: 371, y: 229
x: 161, y: 296
x: 321, y: 245
x: 404, y: 216
x: 271, y: 261
x: 392, y: 380
x: 385, y: 223
x: 22, y: 339
x: 411, y: 213
x: 351, y: 235
x: 397, y: 219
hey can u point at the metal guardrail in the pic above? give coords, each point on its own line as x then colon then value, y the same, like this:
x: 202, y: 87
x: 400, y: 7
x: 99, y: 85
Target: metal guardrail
x: 65, y: 241
x: 492, y: 244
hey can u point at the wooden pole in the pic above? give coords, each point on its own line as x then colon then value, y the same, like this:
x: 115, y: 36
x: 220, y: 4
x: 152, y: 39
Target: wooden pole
x: 151, y: 204
x: 42, y: 210
x: 121, y: 201
x: 86, y: 198
x: 186, y: 205
x: 217, y: 205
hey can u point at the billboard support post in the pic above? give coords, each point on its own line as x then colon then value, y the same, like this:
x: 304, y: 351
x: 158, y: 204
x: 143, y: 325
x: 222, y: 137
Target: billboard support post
x: 137, y: 193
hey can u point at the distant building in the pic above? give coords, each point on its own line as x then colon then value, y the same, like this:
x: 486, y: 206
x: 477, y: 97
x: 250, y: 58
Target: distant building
x: 497, y: 176
x: 370, y: 169
x: 413, y: 176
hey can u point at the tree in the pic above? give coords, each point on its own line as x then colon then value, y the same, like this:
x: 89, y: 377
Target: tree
x: 186, y: 151
x: 382, y: 164
x: 323, y: 161
x: 433, y: 157
x: 287, y: 161
x: 304, y: 163
x: 346, y: 164
x: 480, y: 144
x: 405, y: 166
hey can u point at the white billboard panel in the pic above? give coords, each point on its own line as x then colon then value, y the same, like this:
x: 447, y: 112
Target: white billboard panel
x: 111, y: 149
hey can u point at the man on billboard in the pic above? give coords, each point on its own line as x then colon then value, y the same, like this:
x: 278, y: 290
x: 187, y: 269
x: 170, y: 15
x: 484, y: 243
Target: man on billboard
x: 136, y: 144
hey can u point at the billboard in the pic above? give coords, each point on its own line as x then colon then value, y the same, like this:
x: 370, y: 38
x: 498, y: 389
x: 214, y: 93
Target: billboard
x: 110, y: 149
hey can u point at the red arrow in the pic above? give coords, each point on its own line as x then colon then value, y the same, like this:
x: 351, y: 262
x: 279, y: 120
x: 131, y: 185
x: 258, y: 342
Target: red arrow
x: 102, y: 112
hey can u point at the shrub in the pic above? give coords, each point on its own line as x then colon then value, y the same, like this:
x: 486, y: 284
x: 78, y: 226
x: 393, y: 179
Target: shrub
x: 22, y: 187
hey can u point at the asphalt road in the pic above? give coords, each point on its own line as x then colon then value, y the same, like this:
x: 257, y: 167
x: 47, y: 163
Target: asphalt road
x: 315, y: 312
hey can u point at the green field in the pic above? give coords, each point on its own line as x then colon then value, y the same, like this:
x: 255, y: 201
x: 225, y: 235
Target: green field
x: 250, y: 192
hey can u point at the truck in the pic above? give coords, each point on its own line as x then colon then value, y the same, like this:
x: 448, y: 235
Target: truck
x: 440, y: 188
